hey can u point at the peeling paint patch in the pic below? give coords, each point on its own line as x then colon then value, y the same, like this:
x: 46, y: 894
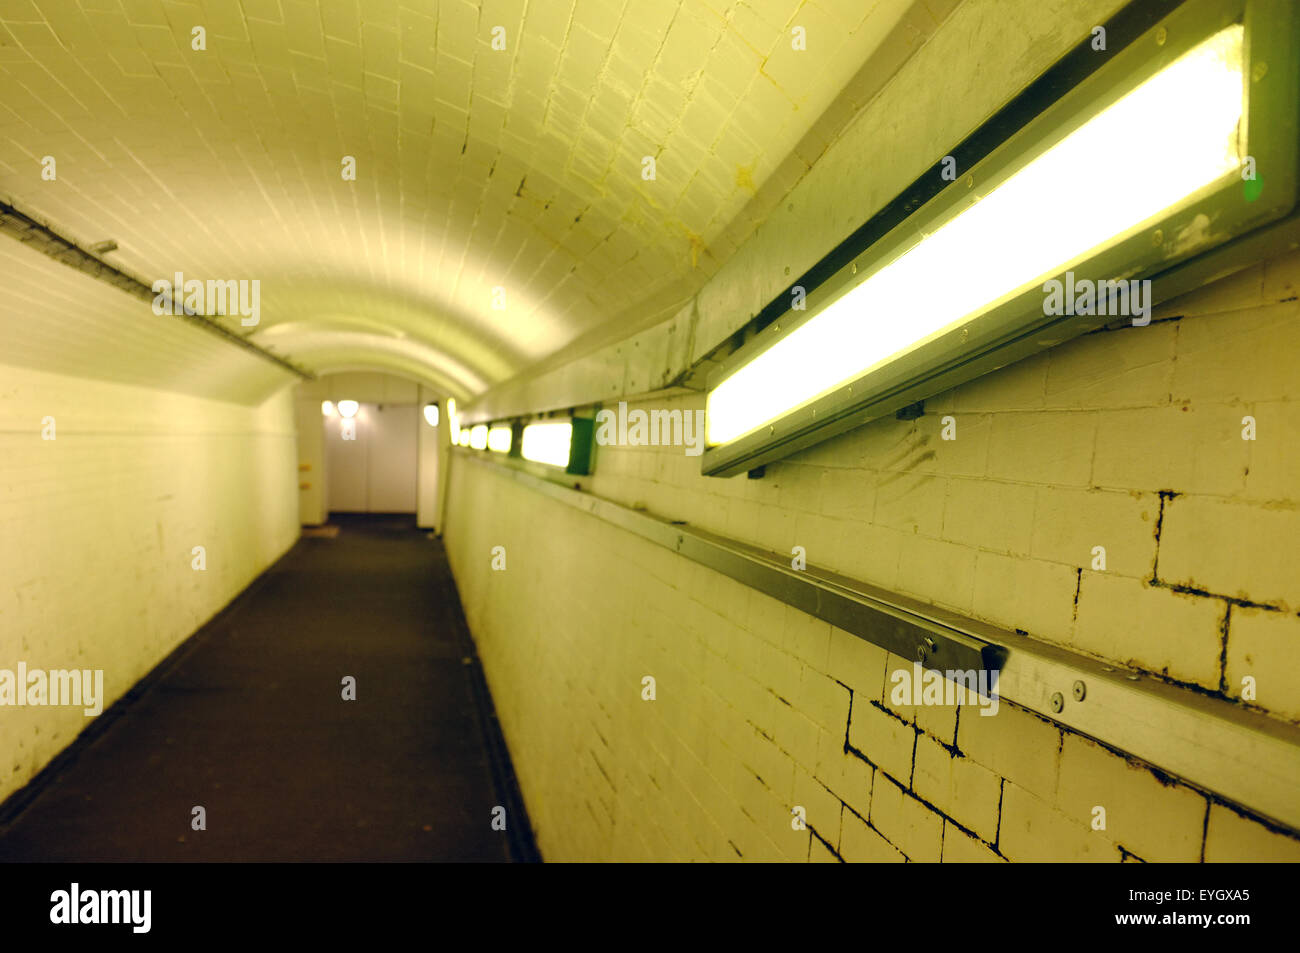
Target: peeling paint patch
x: 1197, y: 233
x: 745, y: 178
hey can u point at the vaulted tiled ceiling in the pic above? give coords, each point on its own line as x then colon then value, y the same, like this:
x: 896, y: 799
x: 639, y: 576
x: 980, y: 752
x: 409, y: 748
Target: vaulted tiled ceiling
x: 476, y: 168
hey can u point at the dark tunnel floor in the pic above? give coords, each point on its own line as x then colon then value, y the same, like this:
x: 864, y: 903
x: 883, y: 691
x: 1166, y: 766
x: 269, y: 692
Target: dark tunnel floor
x: 247, y: 720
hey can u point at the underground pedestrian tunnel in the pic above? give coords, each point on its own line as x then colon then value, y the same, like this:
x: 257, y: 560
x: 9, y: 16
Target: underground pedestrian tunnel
x: 715, y: 430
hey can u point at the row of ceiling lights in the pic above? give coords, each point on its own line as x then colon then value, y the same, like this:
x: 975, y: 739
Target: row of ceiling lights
x: 544, y: 441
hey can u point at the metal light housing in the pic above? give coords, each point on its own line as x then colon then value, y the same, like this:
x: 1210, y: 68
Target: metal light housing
x: 1196, y: 117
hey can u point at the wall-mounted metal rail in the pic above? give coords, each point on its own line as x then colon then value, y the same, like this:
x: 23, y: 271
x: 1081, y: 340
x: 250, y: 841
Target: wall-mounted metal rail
x: 1232, y: 752
x: 42, y: 238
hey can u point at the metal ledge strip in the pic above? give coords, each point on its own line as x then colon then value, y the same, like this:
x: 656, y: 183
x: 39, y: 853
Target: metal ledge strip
x: 32, y: 233
x: 1235, y: 753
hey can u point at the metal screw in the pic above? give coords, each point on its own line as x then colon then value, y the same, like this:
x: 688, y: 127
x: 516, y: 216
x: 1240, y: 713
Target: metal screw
x: 1158, y: 237
x: 1259, y: 72
x: 1161, y: 35
x: 927, y: 646
x: 970, y: 179
x: 854, y: 269
x: 1058, y: 701
x: 1080, y: 690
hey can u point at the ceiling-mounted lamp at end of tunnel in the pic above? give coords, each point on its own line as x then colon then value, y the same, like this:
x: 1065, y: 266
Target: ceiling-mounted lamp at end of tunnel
x: 431, y: 414
x: 348, y: 408
x: 327, y: 408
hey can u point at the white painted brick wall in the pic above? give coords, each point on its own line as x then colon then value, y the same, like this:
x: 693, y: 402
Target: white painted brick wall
x: 1127, y: 439
x: 1001, y: 527
x: 1244, y: 550
x: 1262, y: 646
x: 1031, y: 830
x: 1016, y: 745
x: 1230, y: 838
x: 97, y: 528
x: 961, y: 788
x: 1150, y: 628
x: 1150, y: 818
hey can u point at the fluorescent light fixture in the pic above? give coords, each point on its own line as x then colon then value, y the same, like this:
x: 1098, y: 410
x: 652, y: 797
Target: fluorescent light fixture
x: 431, y: 414
x: 478, y: 436
x: 327, y: 408
x: 462, y: 438
x: 349, y: 408
x: 548, y: 441
x: 498, y: 438
x: 1074, y: 198
x: 966, y: 274
x: 453, y: 420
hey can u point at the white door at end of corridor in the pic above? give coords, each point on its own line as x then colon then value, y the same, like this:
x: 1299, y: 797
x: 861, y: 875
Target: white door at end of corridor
x: 374, y: 469
x: 392, y: 459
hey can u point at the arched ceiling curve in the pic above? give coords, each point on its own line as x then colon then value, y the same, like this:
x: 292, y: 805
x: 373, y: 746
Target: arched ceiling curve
x: 499, y: 210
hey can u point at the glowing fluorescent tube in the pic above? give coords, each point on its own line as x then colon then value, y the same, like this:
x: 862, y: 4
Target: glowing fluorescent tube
x: 1081, y: 195
x: 498, y: 439
x: 463, y: 437
x: 453, y: 420
x: 431, y: 414
x: 548, y: 442
x: 478, y: 435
